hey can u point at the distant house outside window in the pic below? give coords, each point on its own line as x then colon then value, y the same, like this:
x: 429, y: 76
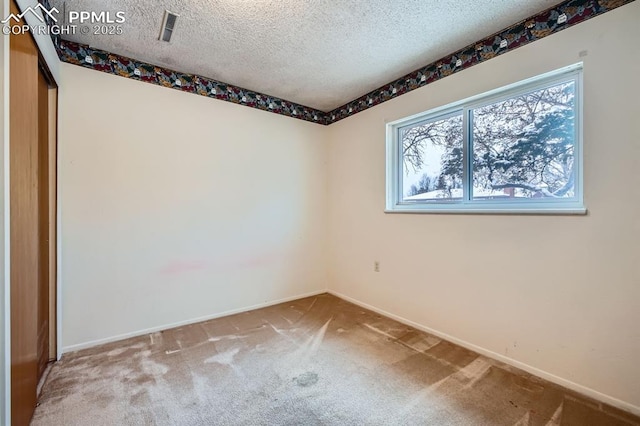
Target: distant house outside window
x: 517, y: 149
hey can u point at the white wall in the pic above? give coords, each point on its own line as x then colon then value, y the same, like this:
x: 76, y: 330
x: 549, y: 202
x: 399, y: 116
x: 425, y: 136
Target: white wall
x: 557, y: 294
x: 176, y: 207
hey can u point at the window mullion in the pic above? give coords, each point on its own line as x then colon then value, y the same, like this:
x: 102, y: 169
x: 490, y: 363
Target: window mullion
x: 467, y: 154
x: 398, y: 162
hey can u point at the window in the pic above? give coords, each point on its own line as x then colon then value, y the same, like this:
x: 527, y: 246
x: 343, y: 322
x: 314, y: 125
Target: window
x: 516, y: 149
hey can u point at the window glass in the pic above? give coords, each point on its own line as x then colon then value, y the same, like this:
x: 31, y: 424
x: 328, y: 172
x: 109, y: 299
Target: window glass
x: 523, y: 147
x: 432, y: 160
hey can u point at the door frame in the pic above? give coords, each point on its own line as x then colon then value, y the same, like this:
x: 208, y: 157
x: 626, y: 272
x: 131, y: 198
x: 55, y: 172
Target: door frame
x: 52, y: 193
x: 5, y: 262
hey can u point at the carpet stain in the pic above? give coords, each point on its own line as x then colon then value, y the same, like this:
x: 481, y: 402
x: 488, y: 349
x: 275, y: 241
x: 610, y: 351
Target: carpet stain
x: 319, y: 337
x: 556, y: 419
x: 228, y: 337
x: 117, y: 352
x: 144, y: 379
x: 525, y: 420
x: 281, y: 332
x: 475, y: 371
x: 306, y: 379
x: 151, y: 368
x: 377, y: 330
x: 224, y: 358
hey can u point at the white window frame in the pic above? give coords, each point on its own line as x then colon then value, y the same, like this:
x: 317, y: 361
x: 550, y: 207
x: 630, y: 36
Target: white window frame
x: 574, y: 205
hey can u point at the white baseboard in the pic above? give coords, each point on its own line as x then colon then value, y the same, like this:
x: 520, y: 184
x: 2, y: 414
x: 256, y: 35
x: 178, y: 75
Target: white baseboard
x: 591, y: 393
x: 86, y: 345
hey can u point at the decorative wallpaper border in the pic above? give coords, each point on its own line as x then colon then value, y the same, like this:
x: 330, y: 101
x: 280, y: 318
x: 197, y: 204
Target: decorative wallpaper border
x: 550, y: 21
x: 110, y: 63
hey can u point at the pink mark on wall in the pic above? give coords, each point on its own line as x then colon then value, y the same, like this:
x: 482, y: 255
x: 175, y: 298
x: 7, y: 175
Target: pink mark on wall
x: 180, y: 267
x: 228, y: 263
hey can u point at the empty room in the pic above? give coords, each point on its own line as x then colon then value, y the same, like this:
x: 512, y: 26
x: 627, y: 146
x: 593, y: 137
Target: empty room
x: 305, y: 212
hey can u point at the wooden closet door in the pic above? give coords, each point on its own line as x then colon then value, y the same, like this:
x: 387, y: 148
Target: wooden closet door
x: 43, y: 217
x: 25, y: 244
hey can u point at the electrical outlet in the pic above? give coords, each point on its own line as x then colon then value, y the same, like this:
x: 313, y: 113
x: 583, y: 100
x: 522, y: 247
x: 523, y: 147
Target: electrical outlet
x: 376, y: 266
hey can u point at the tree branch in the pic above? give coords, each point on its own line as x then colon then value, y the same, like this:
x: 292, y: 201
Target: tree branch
x: 532, y: 188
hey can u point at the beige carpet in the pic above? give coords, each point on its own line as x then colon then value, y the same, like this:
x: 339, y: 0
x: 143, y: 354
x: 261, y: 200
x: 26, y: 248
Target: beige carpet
x: 316, y: 361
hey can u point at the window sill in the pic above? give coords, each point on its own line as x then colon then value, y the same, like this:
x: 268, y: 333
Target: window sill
x: 558, y: 211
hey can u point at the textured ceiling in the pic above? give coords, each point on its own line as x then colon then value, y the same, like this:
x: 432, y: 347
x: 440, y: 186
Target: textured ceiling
x: 319, y: 53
